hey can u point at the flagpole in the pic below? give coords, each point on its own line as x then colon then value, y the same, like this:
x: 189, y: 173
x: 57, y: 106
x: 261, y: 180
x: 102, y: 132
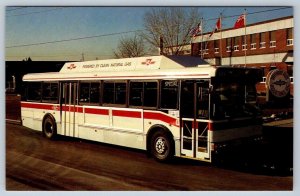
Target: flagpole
x: 245, y: 37
x: 201, y: 24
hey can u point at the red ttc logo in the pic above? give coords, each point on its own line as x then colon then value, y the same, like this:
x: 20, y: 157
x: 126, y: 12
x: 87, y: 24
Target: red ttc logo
x: 148, y: 62
x: 71, y: 66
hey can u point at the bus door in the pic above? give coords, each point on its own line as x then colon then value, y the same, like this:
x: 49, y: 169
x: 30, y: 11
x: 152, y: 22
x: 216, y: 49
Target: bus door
x: 194, y: 107
x: 68, y: 107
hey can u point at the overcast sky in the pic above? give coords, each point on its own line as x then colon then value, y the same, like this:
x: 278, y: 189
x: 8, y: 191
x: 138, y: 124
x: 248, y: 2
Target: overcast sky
x: 33, y: 25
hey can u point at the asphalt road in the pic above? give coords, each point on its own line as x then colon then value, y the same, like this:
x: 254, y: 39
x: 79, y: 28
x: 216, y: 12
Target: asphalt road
x: 35, y: 163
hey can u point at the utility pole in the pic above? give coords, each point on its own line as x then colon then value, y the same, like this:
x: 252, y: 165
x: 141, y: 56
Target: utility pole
x: 82, y: 57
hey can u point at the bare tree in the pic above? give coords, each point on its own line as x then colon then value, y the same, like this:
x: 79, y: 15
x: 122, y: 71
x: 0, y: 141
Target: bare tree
x: 130, y: 47
x: 173, y: 24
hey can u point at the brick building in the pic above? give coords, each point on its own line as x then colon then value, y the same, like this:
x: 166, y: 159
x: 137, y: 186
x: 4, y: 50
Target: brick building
x: 267, y: 44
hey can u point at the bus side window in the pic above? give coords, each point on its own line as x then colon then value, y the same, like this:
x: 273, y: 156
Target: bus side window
x: 34, y: 91
x: 136, y: 94
x: 89, y: 93
x: 95, y: 93
x: 203, y: 100
x: 150, y: 94
x: 50, y: 92
x: 169, y: 94
x: 114, y: 93
x: 84, y: 92
x: 143, y: 94
x: 108, y: 92
x: 120, y: 93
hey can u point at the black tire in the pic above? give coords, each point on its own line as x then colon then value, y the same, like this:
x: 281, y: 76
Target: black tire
x: 49, y: 127
x: 162, y: 146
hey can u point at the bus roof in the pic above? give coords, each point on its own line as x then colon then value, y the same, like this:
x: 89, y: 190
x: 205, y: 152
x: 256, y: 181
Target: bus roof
x: 153, y: 67
x: 132, y: 64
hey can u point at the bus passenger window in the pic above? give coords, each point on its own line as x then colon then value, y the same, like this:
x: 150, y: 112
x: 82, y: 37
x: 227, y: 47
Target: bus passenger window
x: 84, y: 92
x: 169, y: 94
x: 108, y: 93
x: 95, y: 93
x: 50, y: 92
x: 120, y: 93
x: 136, y: 94
x: 34, y: 91
x: 150, y: 94
x: 89, y: 93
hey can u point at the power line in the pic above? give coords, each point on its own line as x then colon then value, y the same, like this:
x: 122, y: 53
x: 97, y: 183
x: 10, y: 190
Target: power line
x: 112, y: 34
x: 15, y: 9
x: 72, y: 39
x: 250, y: 13
x: 38, y: 12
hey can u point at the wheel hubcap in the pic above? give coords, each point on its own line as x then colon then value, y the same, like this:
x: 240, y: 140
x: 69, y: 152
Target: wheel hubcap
x: 160, y: 145
x: 49, y: 129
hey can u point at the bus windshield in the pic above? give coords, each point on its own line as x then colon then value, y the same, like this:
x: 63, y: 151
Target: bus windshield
x: 233, y: 100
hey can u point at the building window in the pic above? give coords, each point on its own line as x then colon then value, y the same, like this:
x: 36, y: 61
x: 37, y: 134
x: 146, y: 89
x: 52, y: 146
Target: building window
x: 236, y: 43
x: 262, y: 40
x: 216, y: 46
x: 289, y: 40
x: 253, y: 41
x: 272, y: 39
x: 203, y: 48
x: 228, y: 45
x: 244, y: 42
x: 290, y: 70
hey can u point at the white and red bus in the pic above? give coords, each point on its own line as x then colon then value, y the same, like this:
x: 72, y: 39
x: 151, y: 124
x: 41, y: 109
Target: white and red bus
x: 167, y: 105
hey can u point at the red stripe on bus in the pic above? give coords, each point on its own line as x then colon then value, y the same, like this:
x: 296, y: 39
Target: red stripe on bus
x: 122, y: 113
x: 96, y: 111
x: 130, y: 114
x: 38, y: 106
x: 160, y: 116
x: 72, y: 108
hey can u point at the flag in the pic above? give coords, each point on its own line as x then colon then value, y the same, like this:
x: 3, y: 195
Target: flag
x: 217, y: 27
x: 240, y: 22
x: 196, y: 30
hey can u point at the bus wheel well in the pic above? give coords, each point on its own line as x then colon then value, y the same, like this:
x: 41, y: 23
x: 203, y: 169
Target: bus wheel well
x: 49, y: 126
x: 162, y: 129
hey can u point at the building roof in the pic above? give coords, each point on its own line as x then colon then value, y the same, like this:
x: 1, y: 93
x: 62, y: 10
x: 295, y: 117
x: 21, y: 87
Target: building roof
x: 253, y: 24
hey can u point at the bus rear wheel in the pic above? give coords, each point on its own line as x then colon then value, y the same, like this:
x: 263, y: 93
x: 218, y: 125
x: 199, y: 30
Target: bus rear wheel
x: 162, y: 148
x: 49, y: 127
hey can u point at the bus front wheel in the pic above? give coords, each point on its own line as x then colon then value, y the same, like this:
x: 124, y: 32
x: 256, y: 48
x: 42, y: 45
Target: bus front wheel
x: 49, y: 127
x: 162, y: 148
